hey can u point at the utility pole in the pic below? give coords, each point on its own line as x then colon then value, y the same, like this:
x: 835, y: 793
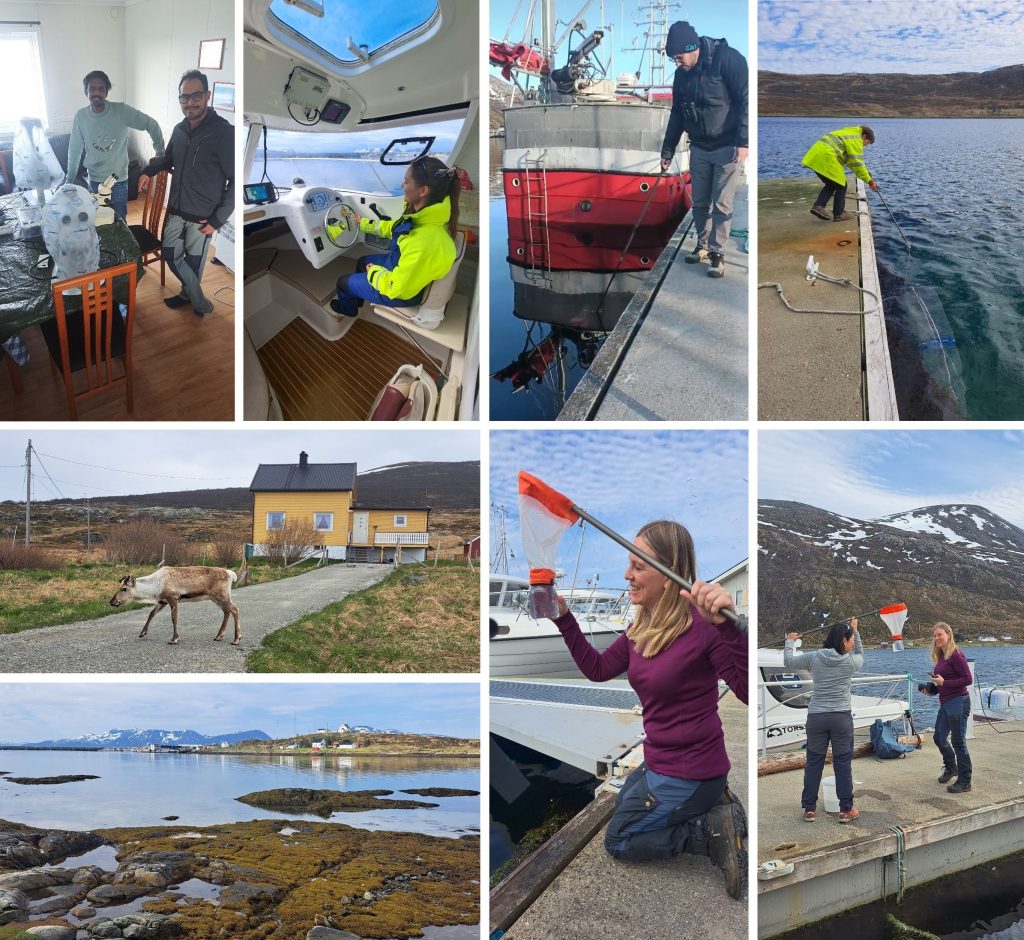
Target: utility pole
x: 88, y: 526
x: 28, y: 493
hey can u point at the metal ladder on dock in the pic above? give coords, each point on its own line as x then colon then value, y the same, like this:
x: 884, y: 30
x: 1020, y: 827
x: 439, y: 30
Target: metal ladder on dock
x: 538, y: 247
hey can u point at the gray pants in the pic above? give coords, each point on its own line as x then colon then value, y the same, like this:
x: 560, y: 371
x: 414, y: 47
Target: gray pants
x: 184, y: 250
x: 713, y: 178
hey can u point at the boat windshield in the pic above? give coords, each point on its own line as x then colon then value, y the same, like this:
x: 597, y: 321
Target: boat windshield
x: 792, y: 692
x: 513, y: 597
x: 345, y: 19
x: 349, y: 161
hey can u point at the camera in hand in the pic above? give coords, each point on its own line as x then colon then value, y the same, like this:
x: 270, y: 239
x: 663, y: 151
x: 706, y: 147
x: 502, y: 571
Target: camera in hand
x: 928, y: 688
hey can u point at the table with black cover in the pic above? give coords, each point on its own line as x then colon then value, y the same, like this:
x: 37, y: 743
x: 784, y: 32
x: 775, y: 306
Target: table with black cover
x: 26, y: 295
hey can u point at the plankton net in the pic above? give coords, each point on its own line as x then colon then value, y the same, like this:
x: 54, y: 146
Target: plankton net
x: 894, y: 616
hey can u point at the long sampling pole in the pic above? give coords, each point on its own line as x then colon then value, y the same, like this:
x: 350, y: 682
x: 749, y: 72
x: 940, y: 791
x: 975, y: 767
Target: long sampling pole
x: 729, y: 614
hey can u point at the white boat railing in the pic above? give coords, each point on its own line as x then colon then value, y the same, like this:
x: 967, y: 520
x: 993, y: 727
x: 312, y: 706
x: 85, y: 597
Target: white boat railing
x: 762, y: 692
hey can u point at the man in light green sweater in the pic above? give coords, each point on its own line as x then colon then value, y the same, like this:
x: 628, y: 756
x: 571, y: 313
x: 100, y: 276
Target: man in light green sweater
x: 100, y: 135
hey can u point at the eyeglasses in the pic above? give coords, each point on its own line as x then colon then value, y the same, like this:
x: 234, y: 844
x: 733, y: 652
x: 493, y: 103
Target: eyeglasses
x: 195, y: 96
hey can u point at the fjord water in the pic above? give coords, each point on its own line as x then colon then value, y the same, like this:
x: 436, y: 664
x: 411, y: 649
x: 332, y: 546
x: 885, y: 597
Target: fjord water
x: 954, y: 186
x: 138, y: 789
x: 993, y: 665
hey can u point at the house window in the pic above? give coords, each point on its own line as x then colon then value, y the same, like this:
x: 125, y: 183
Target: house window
x: 323, y: 521
x: 275, y: 521
x: 738, y: 596
x: 21, y: 68
x: 401, y: 522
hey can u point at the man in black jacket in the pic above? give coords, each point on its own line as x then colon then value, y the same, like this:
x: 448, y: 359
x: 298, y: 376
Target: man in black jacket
x: 709, y: 102
x: 201, y: 158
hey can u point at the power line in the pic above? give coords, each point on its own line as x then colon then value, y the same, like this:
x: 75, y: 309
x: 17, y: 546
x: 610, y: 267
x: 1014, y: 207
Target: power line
x: 47, y: 472
x: 162, y: 476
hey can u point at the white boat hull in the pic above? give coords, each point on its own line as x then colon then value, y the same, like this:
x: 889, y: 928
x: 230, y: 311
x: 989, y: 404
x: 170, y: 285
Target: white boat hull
x: 537, y: 656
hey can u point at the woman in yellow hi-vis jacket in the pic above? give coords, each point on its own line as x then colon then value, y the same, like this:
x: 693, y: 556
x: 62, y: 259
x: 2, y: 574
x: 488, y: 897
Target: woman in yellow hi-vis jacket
x: 829, y: 157
x: 422, y: 242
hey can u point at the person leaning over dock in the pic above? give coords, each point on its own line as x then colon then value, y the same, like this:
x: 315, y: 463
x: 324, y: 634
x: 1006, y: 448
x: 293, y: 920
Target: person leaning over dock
x: 422, y: 242
x: 201, y: 157
x: 952, y: 675
x: 829, y: 713
x: 828, y: 157
x: 709, y: 102
x: 678, y: 800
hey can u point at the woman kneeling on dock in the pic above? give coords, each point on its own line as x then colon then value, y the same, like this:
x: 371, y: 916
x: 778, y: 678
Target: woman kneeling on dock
x: 829, y: 158
x: 829, y: 713
x: 422, y: 242
x: 673, y: 654
x: 953, y: 677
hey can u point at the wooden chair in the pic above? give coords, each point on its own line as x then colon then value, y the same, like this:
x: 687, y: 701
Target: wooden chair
x: 91, y: 338
x: 150, y: 233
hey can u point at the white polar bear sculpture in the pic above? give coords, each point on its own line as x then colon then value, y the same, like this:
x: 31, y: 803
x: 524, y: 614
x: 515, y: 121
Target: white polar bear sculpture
x: 69, y: 231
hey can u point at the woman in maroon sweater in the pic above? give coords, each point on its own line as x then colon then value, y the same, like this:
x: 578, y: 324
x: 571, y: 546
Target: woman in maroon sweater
x: 953, y: 677
x: 673, y: 654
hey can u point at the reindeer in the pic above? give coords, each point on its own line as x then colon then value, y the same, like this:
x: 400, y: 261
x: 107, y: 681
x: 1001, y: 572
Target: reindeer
x: 167, y: 586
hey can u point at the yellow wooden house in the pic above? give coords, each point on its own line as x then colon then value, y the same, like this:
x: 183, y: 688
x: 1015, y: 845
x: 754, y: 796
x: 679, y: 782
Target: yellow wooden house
x: 326, y: 495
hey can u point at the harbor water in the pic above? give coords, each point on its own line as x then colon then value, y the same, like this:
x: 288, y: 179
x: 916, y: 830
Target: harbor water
x: 953, y: 187
x: 140, y: 789
x: 993, y: 665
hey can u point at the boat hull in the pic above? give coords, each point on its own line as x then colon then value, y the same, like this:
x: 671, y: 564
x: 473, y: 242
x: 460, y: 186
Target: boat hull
x: 539, y: 657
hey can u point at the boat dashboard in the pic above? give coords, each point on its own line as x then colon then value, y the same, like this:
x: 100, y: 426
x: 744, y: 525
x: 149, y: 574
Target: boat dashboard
x: 324, y: 222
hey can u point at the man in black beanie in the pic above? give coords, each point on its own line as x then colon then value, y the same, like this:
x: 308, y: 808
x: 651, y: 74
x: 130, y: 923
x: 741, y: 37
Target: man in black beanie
x: 709, y: 102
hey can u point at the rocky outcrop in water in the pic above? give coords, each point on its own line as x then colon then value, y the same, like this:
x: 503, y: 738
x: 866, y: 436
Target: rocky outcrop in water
x: 326, y: 802
x: 441, y: 791
x: 65, y: 778
x: 24, y: 847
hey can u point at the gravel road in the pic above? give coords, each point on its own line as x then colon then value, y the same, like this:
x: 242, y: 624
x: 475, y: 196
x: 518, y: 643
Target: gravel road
x: 111, y: 644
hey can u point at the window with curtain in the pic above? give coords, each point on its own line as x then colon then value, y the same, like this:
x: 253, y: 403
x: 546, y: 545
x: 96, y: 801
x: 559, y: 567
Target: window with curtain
x: 21, y: 68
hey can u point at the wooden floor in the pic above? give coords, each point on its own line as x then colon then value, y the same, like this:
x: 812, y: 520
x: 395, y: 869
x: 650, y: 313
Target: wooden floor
x: 184, y: 365
x: 317, y: 380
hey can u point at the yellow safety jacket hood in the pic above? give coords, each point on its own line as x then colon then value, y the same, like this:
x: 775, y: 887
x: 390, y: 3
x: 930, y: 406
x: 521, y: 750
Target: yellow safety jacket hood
x: 421, y: 250
x: 837, y: 150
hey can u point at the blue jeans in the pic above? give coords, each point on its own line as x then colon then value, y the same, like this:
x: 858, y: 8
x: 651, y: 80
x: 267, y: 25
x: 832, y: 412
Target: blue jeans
x: 118, y: 196
x: 951, y: 721
x: 353, y: 289
x: 654, y: 814
x: 824, y: 728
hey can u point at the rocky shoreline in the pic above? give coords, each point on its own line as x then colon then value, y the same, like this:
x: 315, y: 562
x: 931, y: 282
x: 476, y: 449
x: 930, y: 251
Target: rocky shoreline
x: 250, y: 880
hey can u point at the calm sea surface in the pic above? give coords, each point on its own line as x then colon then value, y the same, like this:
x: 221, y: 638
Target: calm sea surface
x: 954, y: 186
x: 139, y: 789
x: 992, y: 666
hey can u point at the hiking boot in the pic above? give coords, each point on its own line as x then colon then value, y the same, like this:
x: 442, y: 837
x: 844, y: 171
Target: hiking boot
x: 717, y: 268
x: 842, y: 217
x: 822, y: 213
x: 810, y: 815
x: 948, y: 773
x: 725, y: 826
x: 848, y: 815
x: 960, y: 786
x: 698, y: 256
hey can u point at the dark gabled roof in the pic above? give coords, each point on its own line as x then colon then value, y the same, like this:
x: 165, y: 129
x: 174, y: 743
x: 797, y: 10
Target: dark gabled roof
x: 314, y: 477
x: 388, y: 504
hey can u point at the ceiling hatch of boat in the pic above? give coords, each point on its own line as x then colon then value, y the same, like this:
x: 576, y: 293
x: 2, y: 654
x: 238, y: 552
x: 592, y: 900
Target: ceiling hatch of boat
x: 405, y: 72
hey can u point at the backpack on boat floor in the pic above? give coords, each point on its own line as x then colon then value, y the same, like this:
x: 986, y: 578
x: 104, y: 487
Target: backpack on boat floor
x: 886, y: 742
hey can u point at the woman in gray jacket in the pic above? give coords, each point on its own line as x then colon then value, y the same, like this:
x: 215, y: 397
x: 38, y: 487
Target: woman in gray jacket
x: 829, y: 718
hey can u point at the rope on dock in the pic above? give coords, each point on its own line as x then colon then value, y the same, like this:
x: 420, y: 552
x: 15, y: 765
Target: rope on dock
x: 842, y: 282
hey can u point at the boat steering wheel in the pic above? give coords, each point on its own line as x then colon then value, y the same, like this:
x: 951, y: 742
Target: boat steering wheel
x: 341, y: 225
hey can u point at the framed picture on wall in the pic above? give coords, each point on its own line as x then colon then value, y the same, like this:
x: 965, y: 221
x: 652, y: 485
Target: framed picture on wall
x: 223, y: 96
x: 211, y: 53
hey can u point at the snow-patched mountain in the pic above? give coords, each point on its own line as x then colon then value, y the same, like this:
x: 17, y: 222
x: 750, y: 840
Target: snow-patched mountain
x: 141, y: 737
x: 959, y: 563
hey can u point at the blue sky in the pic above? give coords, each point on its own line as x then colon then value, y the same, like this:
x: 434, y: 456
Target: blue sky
x: 625, y: 479
x: 868, y: 474
x: 45, y: 711
x: 725, y: 18
x: 166, y: 461
x: 921, y: 37
x: 368, y: 24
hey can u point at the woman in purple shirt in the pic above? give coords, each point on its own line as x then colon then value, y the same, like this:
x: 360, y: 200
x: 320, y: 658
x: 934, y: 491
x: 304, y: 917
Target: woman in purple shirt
x: 673, y: 654
x: 953, y: 677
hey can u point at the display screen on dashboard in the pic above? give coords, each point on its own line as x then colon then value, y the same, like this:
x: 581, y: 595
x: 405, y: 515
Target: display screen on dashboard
x: 256, y: 193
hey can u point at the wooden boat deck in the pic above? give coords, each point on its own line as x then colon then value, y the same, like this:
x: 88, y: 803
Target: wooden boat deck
x: 183, y: 364
x: 319, y: 380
